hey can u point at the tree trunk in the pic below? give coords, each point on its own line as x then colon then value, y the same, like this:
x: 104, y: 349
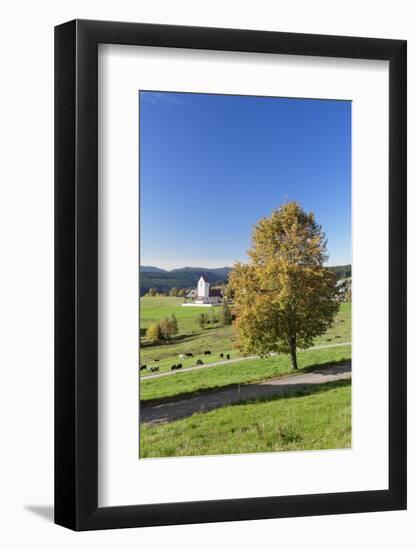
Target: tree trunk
x: 293, y: 352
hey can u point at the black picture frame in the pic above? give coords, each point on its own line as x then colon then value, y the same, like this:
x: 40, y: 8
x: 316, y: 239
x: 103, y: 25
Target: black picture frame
x: 76, y: 273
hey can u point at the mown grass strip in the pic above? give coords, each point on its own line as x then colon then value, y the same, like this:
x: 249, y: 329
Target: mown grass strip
x: 318, y: 420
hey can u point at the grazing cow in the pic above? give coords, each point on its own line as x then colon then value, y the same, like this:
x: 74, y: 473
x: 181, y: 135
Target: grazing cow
x: 189, y: 354
x: 221, y: 356
x: 156, y: 359
x: 199, y: 362
x: 207, y: 352
x: 179, y: 366
x: 228, y: 356
x: 173, y: 367
x: 143, y: 367
x: 181, y: 355
x: 154, y: 369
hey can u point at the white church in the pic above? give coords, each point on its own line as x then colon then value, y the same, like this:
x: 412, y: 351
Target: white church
x: 205, y: 296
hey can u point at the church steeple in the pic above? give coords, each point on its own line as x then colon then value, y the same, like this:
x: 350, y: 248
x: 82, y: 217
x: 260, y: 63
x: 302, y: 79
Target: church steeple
x: 203, y: 288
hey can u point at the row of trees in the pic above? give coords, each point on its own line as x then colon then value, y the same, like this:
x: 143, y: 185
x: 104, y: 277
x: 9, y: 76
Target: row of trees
x: 168, y: 326
x: 224, y: 317
x: 164, y: 330
x: 153, y: 292
x: 179, y: 292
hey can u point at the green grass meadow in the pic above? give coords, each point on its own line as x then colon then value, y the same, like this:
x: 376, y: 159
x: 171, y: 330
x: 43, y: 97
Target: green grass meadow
x: 216, y: 338
x: 252, y: 370
x: 320, y: 419
x: 316, y: 421
x: 190, y: 337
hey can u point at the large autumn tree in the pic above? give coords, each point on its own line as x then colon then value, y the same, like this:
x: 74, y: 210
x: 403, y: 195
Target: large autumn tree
x: 285, y: 296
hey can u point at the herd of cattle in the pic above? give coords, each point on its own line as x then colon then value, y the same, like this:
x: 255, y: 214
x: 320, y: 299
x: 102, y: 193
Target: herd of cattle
x: 183, y: 356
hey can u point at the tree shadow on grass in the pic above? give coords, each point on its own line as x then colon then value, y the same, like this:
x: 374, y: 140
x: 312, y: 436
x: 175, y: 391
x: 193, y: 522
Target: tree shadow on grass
x: 166, y: 343
x: 175, y: 410
x: 174, y: 340
x: 332, y: 367
x: 298, y: 390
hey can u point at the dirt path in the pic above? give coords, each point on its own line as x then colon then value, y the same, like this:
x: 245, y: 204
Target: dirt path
x: 173, y: 410
x: 230, y: 361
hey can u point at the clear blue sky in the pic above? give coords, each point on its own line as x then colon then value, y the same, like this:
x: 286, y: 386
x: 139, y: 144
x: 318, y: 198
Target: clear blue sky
x: 212, y: 165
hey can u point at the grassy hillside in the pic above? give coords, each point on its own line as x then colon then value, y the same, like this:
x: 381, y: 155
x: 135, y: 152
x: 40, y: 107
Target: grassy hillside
x: 216, y: 338
x: 222, y: 376
x: 190, y: 338
x: 152, y: 309
x: 319, y: 420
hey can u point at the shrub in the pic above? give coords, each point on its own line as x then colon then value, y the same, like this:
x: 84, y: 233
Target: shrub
x: 154, y: 332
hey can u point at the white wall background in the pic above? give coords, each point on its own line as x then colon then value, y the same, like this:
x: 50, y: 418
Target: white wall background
x: 26, y: 285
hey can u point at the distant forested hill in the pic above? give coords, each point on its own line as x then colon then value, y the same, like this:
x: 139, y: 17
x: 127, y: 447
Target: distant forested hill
x: 151, y: 269
x: 186, y: 277
x: 342, y: 271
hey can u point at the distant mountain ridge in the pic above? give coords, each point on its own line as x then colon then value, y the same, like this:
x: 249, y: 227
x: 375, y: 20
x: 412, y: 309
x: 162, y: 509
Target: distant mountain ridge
x: 151, y: 269
x: 187, y: 277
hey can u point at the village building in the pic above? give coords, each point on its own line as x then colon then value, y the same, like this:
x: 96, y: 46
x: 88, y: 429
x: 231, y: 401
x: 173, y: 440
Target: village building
x: 205, y: 296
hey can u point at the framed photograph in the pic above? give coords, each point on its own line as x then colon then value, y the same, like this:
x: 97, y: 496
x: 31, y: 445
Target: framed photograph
x: 230, y: 252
